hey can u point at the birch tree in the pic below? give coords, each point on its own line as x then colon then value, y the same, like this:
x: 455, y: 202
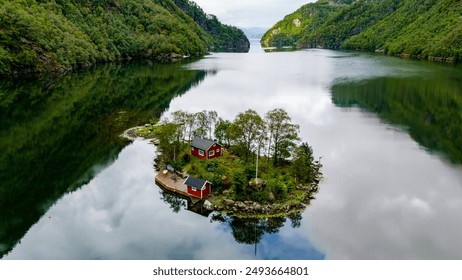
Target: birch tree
x: 283, y: 135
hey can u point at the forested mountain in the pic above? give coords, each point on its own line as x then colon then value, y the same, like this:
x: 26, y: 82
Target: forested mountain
x: 57, y: 35
x: 426, y: 29
x: 225, y: 37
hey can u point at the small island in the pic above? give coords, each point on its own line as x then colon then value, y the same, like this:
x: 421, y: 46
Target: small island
x: 249, y: 167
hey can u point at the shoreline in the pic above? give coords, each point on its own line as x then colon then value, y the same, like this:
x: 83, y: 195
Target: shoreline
x: 252, y: 209
x: 223, y: 203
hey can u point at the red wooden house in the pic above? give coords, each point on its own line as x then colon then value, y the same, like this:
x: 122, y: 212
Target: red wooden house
x: 205, y: 149
x: 197, y: 187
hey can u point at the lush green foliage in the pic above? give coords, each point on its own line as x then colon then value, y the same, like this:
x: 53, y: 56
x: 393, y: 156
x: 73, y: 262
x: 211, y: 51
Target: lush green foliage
x: 248, y: 137
x: 427, y: 29
x: 41, y: 35
x: 225, y: 37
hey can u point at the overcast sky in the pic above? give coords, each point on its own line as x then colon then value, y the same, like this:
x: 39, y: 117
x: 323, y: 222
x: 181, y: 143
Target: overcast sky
x: 250, y: 13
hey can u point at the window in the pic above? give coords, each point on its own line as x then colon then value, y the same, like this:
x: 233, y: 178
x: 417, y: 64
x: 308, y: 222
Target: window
x: 201, y: 153
x: 193, y: 189
x: 218, y: 150
x: 211, y: 153
x: 192, y: 148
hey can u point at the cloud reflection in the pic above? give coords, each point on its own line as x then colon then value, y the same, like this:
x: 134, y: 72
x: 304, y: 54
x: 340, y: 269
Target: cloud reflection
x: 119, y: 215
x: 383, y: 197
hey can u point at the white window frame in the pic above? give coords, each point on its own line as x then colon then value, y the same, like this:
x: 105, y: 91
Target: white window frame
x: 193, y: 189
x: 211, y: 153
x: 192, y: 148
x: 201, y: 153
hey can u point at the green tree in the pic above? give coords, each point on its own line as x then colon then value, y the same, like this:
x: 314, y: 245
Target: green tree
x: 248, y: 127
x: 222, y: 132
x: 168, y: 134
x: 282, y: 134
x: 201, y: 125
x: 212, y: 117
x: 180, y: 117
x: 302, y: 163
x: 190, y: 121
x: 239, y: 184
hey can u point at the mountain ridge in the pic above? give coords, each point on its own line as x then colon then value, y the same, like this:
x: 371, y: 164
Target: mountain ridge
x: 59, y: 35
x: 423, y: 29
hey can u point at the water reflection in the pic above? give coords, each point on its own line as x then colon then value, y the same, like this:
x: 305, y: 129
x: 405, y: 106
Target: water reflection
x: 118, y: 216
x: 429, y: 108
x: 58, y: 132
x: 384, y: 196
x: 248, y: 230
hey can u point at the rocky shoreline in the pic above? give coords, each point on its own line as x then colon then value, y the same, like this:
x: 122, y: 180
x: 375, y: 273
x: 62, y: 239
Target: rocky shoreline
x: 222, y: 203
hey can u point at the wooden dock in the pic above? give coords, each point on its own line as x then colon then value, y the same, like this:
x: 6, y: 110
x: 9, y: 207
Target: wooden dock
x: 166, y: 181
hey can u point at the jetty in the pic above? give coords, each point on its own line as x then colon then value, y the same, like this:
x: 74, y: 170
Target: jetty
x: 174, y: 183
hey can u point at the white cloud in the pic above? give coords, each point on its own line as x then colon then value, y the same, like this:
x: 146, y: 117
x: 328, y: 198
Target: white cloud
x: 250, y: 13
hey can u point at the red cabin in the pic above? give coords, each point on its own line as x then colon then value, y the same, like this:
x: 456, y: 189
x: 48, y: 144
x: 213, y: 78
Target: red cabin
x: 205, y: 149
x: 197, y: 187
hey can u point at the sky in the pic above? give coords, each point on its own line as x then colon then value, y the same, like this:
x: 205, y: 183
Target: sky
x: 250, y: 13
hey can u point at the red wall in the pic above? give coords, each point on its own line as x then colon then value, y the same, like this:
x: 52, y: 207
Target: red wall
x: 196, y: 153
x: 206, y: 190
x: 215, y: 147
x: 197, y: 193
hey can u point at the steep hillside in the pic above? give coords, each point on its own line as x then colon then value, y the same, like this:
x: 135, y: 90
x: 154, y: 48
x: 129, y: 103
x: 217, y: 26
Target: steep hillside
x: 426, y: 29
x: 225, y: 37
x: 56, y: 35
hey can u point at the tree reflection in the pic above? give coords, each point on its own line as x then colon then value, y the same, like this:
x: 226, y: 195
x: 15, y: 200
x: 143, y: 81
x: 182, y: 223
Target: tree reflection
x: 427, y: 107
x: 251, y: 230
x: 295, y: 219
x: 176, y: 203
x: 57, y: 132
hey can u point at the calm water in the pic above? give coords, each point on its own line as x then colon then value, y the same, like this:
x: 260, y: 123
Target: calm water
x: 388, y: 131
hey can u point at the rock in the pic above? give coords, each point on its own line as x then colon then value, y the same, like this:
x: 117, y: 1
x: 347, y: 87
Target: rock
x: 228, y: 202
x: 271, y: 197
x: 208, y: 205
x: 239, y: 204
x: 297, y: 22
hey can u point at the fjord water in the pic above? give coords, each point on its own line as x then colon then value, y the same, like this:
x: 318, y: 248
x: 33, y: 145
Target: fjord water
x: 388, y: 132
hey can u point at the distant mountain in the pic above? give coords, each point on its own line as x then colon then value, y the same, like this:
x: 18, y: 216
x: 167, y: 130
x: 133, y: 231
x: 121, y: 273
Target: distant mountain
x: 254, y: 32
x: 58, y: 35
x: 425, y: 29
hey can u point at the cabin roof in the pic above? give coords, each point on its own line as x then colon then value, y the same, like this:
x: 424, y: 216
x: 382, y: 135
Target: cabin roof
x: 195, y: 182
x: 202, y: 144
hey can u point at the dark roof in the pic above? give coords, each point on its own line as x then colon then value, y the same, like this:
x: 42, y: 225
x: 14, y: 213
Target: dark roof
x: 194, y: 182
x: 202, y: 144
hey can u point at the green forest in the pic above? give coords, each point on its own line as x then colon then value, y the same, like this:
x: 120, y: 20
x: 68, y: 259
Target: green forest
x: 423, y: 29
x: 58, y: 35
